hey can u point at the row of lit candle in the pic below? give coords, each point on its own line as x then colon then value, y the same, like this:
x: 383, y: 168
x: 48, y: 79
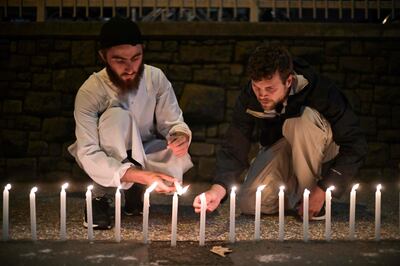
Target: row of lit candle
x: 180, y: 191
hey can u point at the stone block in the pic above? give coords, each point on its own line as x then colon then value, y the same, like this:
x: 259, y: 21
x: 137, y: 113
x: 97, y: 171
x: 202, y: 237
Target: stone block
x: 395, y: 151
x: 12, y: 106
x: 24, y: 76
x: 26, y: 47
x: 381, y: 110
x: 381, y: 65
x: 222, y: 128
x: 384, y: 122
x: 41, y: 81
x: 39, y: 60
x: 198, y: 131
x: 389, y: 135
x: 179, y: 72
x: 201, y: 149
x: 206, y: 169
x: 27, y: 122
x: 387, y: 94
x: 236, y: 69
x: 6, y: 75
x: 37, y: 148
x: 205, y: 53
x: 356, y: 64
x: 378, y: 154
x: 79, y: 174
x: 54, y: 149
x: 394, y: 63
x: 14, y: 143
x: 46, y: 103
x: 45, y: 45
x: 231, y: 98
x: 62, y: 45
x: 396, y: 117
x: 69, y: 80
x: 170, y: 46
x: 18, y: 62
x: 202, y: 104
x: 154, y: 46
x: 158, y: 57
x: 313, y: 55
x: 22, y: 169
x: 59, y: 59
x: 83, y: 53
x: 58, y: 129
x: 212, y: 131
x: 243, y: 50
x: 339, y: 48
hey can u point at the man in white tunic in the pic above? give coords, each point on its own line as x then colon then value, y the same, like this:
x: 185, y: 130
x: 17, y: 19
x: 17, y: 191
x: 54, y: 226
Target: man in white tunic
x: 129, y: 127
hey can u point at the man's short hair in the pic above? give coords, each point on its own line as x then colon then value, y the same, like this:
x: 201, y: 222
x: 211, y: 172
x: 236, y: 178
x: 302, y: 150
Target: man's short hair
x: 265, y: 60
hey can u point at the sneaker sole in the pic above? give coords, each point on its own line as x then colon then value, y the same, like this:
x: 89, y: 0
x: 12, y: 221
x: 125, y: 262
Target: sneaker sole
x: 96, y: 226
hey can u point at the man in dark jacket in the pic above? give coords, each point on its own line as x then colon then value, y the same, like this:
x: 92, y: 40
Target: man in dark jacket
x: 309, y: 135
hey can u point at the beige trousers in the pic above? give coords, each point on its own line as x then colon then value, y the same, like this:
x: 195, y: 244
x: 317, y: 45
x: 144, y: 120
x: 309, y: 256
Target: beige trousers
x: 294, y: 161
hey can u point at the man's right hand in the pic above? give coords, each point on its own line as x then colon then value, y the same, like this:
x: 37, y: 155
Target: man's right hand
x: 213, y: 198
x: 165, y: 182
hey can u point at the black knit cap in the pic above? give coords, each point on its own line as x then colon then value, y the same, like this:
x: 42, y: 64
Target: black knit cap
x: 119, y: 31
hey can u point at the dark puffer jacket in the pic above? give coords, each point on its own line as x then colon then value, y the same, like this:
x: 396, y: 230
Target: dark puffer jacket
x: 320, y: 94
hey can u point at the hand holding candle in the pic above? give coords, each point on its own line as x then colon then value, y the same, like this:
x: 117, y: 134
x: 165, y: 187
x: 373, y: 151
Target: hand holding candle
x: 32, y: 203
x: 6, y: 205
x: 63, y: 213
x: 146, y: 205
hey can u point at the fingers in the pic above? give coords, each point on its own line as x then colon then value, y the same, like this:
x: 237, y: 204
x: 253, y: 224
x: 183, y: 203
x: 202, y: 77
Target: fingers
x: 163, y: 188
x: 166, y: 177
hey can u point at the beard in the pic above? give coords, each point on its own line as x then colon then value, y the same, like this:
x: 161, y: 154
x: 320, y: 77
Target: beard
x: 268, y: 105
x: 125, y: 86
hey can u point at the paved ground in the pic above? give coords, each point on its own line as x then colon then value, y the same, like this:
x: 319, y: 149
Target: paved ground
x: 48, y: 250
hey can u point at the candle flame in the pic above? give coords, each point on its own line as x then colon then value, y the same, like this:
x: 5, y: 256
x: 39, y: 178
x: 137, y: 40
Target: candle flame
x: 65, y: 186
x: 306, y: 192
x: 261, y: 188
x: 330, y: 188
x: 184, y: 189
x: 90, y: 187
x: 282, y: 188
x: 355, y: 187
x: 119, y: 187
x: 152, y: 187
x: 34, y: 189
x: 179, y: 189
x: 378, y: 187
x: 233, y: 189
x: 7, y: 187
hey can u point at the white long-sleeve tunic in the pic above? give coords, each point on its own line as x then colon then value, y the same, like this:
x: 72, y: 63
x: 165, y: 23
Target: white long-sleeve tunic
x: 153, y: 106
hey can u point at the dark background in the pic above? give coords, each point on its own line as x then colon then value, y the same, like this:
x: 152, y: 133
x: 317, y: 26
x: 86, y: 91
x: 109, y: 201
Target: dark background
x: 42, y: 65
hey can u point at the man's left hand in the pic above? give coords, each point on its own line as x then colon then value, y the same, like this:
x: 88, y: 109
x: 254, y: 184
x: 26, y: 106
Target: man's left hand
x: 179, y: 144
x: 316, y: 201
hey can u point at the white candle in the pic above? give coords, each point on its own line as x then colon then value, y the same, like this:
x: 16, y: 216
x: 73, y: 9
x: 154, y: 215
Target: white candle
x: 32, y: 203
x: 117, y: 205
x: 232, y: 209
x: 63, y: 213
x: 89, y: 213
x: 258, y: 213
x: 305, y: 214
x: 353, y: 211
x: 146, y: 205
x: 378, y: 213
x: 328, y: 213
x: 6, y: 211
x: 179, y: 191
x: 281, y: 196
x: 203, y: 209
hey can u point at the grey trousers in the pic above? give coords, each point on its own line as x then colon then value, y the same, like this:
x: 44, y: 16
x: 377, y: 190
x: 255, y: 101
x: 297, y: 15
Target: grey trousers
x: 294, y: 161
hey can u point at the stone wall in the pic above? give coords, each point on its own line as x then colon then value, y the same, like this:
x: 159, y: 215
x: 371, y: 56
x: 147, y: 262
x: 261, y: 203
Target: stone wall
x: 43, y: 65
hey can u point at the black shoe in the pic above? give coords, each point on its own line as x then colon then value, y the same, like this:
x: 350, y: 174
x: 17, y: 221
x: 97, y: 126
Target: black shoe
x: 320, y: 216
x: 101, y: 214
x: 133, y: 200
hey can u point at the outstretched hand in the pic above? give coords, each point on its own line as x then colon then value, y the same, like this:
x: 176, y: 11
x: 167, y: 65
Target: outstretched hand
x: 179, y: 144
